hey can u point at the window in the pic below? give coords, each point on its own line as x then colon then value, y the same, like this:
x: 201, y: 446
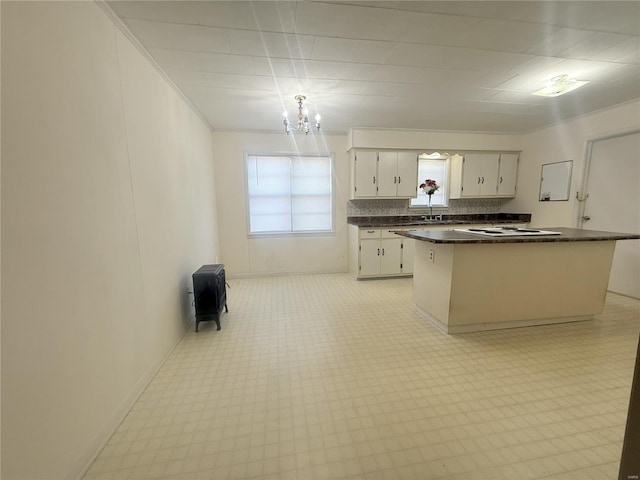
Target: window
x: 435, y: 167
x: 289, y: 194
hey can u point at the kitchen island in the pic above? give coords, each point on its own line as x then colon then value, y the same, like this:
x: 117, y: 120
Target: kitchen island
x: 472, y: 281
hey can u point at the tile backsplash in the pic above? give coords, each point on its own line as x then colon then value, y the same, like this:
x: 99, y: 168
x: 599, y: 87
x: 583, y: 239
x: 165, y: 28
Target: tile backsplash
x: 401, y: 207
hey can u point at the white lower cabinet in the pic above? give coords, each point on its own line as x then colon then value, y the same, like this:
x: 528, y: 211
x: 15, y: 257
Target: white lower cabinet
x: 378, y: 252
x: 408, y: 249
x: 381, y: 253
x: 380, y: 257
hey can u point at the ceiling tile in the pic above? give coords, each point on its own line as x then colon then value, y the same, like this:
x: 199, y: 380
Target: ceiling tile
x: 485, y: 60
x: 535, y: 69
x: 357, y: 51
x: 605, y: 16
x: 264, y: 16
x: 278, y: 45
x: 514, y: 96
x: 332, y: 20
x: 205, y: 62
x: 332, y: 49
x: 627, y: 51
x: 598, y: 15
x: 157, y: 11
x: 330, y: 70
x: 232, y: 81
x: 558, y: 41
x: 502, y: 36
x: 179, y: 37
x: 425, y: 28
x: 494, y: 106
x: 594, y: 44
x: 278, y: 67
x: 448, y: 7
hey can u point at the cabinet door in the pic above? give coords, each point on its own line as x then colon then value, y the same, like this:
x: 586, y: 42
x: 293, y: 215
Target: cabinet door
x: 455, y: 181
x: 408, y: 251
x: 370, y: 254
x: 387, y: 174
x: 366, y: 174
x: 489, y: 175
x: 390, y: 256
x: 471, y: 176
x: 407, y: 175
x: 508, y: 174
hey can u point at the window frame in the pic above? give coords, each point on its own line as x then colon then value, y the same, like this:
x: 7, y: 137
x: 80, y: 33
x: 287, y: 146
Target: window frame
x: 290, y: 155
x: 446, y: 158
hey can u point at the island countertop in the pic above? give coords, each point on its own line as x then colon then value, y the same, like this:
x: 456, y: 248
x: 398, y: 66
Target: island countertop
x: 566, y: 235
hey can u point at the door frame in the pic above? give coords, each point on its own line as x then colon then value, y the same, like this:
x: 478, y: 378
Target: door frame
x: 582, y: 195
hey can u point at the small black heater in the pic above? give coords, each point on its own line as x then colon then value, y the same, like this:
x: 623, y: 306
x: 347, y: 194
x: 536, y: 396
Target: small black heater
x: 210, y: 293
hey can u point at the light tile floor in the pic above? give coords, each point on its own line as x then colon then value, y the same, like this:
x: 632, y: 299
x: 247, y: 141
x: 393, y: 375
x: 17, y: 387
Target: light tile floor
x: 322, y: 376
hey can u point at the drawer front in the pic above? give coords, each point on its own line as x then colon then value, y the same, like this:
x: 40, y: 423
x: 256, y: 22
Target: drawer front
x: 388, y: 232
x: 370, y: 233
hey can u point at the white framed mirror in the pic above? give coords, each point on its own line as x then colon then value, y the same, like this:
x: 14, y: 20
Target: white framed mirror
x: 555, y: 181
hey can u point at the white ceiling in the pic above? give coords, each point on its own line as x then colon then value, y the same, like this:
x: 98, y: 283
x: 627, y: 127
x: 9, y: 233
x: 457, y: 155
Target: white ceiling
x: 437, y: 65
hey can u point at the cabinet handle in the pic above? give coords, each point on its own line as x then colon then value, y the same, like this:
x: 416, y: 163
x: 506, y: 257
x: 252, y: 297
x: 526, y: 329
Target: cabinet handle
x: 395, y: 180
x: 483, y: 180
x: 500, y: 179
x: 478, y: 180
x: 374, y: 180
x: 398, y: 179
x: 383, y: 251
x: 378, y: 252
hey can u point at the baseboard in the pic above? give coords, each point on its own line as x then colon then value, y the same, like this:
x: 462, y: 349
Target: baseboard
x: 482, y: 327
x: 278, y: 274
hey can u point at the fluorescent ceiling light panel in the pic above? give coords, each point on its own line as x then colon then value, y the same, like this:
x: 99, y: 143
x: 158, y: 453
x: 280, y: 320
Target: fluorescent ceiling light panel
x: 560, y: 85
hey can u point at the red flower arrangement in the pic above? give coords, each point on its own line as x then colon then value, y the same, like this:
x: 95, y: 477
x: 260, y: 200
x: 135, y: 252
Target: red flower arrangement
x: 429, y: 186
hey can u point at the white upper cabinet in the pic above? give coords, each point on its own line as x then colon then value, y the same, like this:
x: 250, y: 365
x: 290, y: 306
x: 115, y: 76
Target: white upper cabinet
x: 483, y: 175
x: 385, y: 175
x: 508, y: 174
x: 388, y: 174
x: 365, y: 174
x: 407, y: 175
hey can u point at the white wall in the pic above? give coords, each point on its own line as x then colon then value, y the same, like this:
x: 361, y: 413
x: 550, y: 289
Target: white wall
x: 567, y: 141
x: 107, y: 208
x: 244, y: 256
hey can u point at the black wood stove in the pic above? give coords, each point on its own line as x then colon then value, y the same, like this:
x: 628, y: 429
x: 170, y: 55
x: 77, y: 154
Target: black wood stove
x: 210, y: 293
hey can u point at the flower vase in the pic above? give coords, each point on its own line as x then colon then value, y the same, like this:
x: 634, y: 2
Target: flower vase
x: 429, y: 201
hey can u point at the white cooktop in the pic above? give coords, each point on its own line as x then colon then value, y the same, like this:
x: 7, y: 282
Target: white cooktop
x: 507, y: 231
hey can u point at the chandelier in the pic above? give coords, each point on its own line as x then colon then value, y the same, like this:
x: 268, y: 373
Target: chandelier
x: 303, y: 119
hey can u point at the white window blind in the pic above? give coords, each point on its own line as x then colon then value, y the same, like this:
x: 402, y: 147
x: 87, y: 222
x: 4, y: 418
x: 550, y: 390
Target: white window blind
x: 289, y: 194
x: 435, y: 169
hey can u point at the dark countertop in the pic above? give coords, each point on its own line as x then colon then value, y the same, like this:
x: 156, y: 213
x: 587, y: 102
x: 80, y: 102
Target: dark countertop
x: 567, y: 235
x: 418, y: 220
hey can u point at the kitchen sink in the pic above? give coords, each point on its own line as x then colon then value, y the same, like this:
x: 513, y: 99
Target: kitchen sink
x: 424, y: 222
